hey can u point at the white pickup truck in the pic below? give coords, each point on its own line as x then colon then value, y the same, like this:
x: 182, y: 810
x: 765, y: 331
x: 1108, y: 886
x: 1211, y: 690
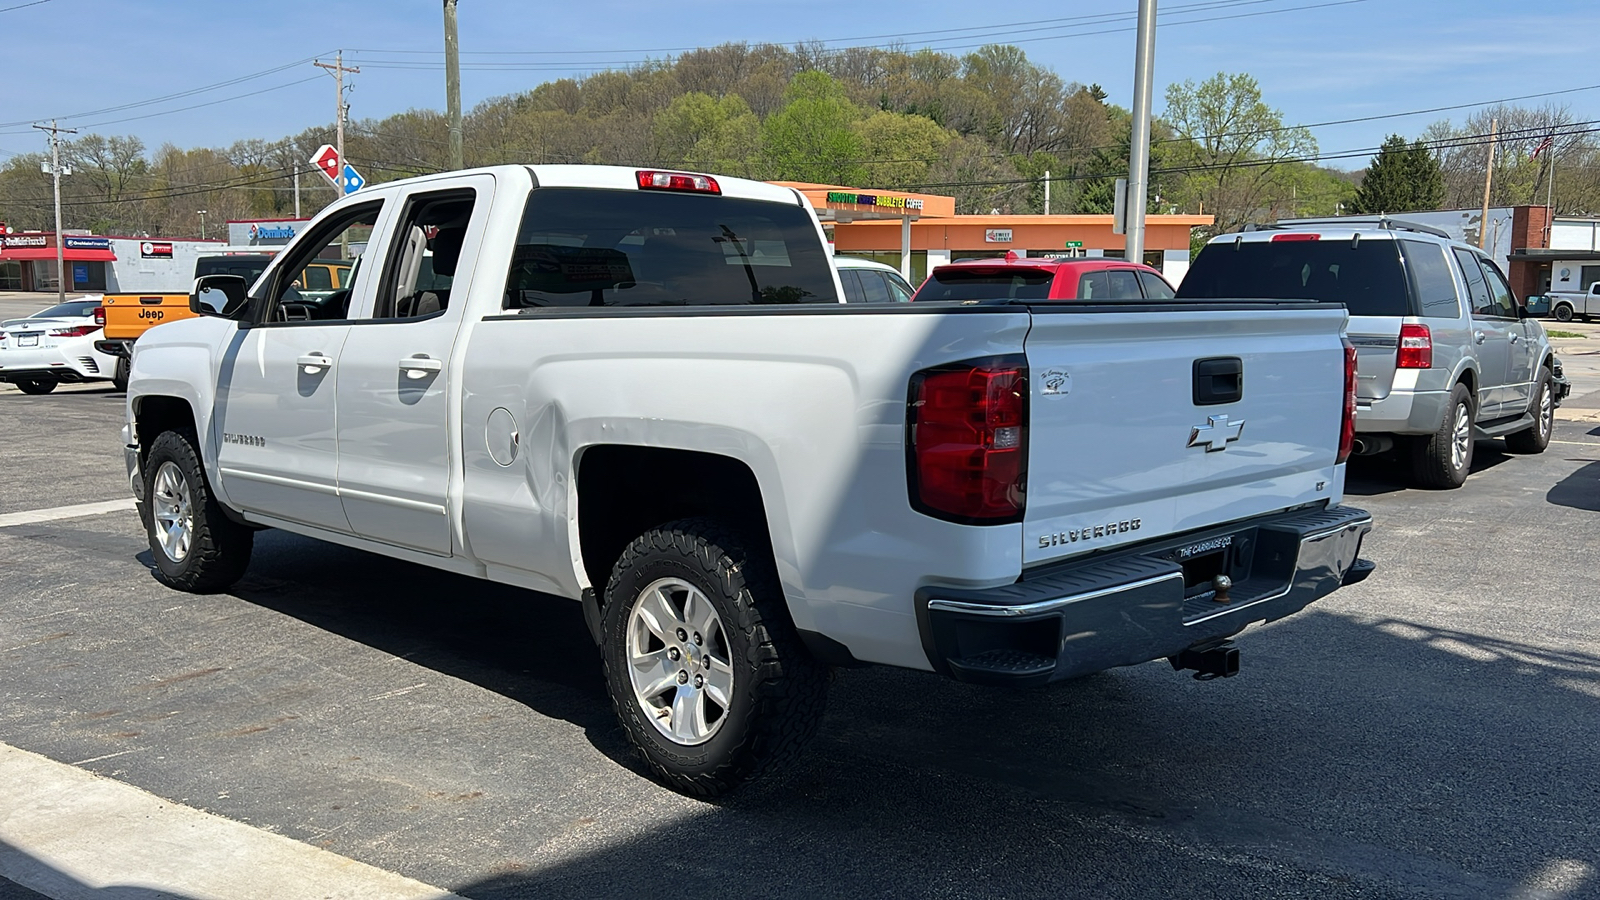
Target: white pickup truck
x: 641, y: 390
x: 1568, y: 305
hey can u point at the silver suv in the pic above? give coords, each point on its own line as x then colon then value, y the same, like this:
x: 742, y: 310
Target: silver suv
x: 1446, y: 355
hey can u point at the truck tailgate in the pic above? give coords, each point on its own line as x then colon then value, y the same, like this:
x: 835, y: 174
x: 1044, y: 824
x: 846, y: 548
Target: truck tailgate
x: 1135, y: 432
x: 130, y: 315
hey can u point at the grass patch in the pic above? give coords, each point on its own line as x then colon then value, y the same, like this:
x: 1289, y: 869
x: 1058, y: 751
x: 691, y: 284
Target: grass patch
x: 1565, y: 334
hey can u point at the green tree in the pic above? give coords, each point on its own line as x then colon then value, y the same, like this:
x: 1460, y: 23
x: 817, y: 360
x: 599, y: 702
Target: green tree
x: 813, y: 138
x: 1402, y: 178
x: 1233, y: 146
x: 900, y: 149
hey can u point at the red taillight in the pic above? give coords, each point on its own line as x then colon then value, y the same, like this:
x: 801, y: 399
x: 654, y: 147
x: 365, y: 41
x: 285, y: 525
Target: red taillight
x: 1347, y: 427
x: 678, y: 181
x: 968, y: 441
x: 74, y: 331
x: 1416, y: 347
x: 100, y: 315
x: 1296, y: 237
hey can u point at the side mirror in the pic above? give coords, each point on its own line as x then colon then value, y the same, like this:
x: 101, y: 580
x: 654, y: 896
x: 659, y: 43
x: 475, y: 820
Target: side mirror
x: 218, y: 295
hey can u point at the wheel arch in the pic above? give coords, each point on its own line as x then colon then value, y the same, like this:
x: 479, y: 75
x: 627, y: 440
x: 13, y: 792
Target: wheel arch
x: 154, y: 414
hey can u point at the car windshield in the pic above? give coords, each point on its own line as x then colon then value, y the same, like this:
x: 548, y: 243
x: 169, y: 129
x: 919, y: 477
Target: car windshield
x: 987, y: 284
x: 1363, y: 275
x: 70, y: 310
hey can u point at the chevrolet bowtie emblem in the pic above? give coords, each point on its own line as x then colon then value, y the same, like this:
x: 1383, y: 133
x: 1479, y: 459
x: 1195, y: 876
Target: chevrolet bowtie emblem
x: 1216, y: 434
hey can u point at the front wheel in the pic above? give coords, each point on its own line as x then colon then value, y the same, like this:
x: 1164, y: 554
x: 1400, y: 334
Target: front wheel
x: 704, y: 667
x: 1443, y: 459
x: 35, y: 385
x: 1536, y: 438
x: 197, y: 548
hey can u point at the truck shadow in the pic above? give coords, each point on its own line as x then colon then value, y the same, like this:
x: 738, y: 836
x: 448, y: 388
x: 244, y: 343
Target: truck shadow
x: 1389, y: 473
x: 1580, y: 490
x: 1384, y: 753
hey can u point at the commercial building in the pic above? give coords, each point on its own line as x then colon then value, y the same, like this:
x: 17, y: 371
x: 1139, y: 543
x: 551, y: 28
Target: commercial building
x: 99, y: 263
x: 263, y: 235
x: 914, y: 232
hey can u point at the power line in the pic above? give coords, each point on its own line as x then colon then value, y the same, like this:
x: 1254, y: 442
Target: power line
x: 24, y: 5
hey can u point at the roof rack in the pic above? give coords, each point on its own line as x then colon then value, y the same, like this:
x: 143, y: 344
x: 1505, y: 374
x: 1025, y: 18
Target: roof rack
x: 1383, y: 222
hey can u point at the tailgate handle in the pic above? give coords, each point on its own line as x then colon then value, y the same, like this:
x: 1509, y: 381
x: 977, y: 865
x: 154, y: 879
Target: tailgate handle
x: 150, y: 301
x: 1218, y: 380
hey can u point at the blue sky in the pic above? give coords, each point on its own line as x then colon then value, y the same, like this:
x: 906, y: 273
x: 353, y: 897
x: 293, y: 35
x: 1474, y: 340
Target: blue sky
x: 1316, y: 60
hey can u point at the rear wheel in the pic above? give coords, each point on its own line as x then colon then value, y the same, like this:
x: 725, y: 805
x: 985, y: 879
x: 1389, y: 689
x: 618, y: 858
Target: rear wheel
x: 196, y: 546
x: 1443, y: 459
x: 1562, y: 312
x: 35, y: 385
x: 704, y: 667
x: 119, y: 377
x: 1537, y: 438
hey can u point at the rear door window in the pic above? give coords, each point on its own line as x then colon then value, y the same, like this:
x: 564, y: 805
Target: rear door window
x: 987, y: 284
x: 899, y: 290
x: 852, y: 286
x: 1094, y: 286
x: 600, y: 248
x: 1124, y: 285
x: 1477, y: 287
x: 1431, y: 281
x: 1364, y: 275
x: 873, y: 287
x: 1155, y: 287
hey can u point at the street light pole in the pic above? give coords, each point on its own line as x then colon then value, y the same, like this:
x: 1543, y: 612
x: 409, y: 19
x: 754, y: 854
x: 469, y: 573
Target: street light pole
x: 202, y: 223
x: 1139, y: 149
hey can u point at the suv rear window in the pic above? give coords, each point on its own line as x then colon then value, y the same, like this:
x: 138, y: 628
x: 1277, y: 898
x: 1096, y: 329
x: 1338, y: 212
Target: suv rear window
x: 1363, y: 275
x: 587, y: 247
x: 957, y: 283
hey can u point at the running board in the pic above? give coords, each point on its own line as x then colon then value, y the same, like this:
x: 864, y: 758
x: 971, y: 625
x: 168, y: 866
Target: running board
x: 1502, y: 427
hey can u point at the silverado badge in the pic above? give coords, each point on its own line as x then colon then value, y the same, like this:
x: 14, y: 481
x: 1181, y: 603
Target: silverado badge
x: 1216, y: 434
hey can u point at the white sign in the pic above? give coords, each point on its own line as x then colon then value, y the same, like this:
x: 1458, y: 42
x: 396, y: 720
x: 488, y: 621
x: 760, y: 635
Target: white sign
x: 997, y: 235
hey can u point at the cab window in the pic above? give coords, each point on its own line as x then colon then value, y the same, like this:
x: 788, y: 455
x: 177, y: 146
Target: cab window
x: 1155, y: 287
x: 422, y: 265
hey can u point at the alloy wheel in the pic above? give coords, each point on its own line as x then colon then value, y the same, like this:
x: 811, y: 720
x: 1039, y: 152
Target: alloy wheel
x: 173, y: 511
x: 679, y: 661
x: 1461, y: 437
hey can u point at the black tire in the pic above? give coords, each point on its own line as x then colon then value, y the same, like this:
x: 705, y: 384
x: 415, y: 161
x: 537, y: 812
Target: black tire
x: 777, y: 690
x: 219, y: 548
x: 119, y: 376
x: 1433, y: 460
x: 1537, y: 437
x: 35, y: 385
x: 1562, y: 312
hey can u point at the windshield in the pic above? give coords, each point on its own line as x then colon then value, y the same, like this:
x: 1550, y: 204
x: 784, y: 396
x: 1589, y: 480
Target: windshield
x: 986, y: 284
x: 1363, y: 275
x: 70, y: 310
x: 581, y: 247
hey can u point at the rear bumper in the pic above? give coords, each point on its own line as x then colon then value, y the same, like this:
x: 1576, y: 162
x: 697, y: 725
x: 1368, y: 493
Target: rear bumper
x: 119, y: 347
x: 1151, y: 602
x: 1402, y: 412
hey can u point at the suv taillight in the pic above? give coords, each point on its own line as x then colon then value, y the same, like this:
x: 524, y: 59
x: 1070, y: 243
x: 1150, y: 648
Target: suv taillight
x: 1416, y: 347
x: 100, y: 315
x: 967, y: 441
x: 1347, y: 426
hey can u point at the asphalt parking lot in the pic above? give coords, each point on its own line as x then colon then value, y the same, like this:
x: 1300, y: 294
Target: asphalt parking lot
x: 1434, y: 731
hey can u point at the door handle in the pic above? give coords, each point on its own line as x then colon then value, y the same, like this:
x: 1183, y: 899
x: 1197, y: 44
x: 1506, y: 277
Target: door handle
x: 312, y: 363
x: 421, y: 366
x: 1479, y: 336
x: 1515, y: 338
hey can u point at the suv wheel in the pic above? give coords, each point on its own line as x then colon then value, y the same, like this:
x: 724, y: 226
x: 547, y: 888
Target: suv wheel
x: 1536, y: 438
x: 1443, y: 459
x: 119, y: 378
x: 702, y: 662
x: 197, y: 548
x: 1562, y: 312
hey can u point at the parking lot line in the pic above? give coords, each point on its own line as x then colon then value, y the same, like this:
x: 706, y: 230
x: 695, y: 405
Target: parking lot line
x: 71, y: 834
x: 78, y: 510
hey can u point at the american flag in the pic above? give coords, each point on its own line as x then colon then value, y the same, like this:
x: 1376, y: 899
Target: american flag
x: 1544, y: 145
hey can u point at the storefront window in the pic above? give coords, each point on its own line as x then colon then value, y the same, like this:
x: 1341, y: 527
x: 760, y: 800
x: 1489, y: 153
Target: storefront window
x: 919, y: 261
x: 10, y: 276
x: 44, y: 274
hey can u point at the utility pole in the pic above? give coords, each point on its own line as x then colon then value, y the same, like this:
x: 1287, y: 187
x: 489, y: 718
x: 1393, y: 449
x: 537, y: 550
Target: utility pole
x: 55, y: 176
x: 202, y: 223
x: 1139, y: 156
x: 1047, y: 192
x: 338, y: 69
x: 452, y: 83
x: 1488, y: 175
x: 297, y: 190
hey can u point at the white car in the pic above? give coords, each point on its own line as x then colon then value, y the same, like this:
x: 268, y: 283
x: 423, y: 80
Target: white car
x: 55, y: 345
x: 865, y: 281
